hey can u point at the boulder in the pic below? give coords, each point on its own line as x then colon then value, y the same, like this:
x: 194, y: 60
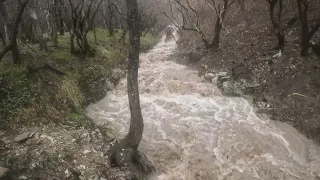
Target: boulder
x: 109, y: 85
x: 209, y: 76
x: 222, y: 74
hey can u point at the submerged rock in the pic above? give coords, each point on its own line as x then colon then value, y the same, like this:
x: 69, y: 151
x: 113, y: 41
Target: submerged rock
x: 109, y: 85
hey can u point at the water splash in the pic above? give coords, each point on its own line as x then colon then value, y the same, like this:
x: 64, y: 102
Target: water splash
x: 192, y: 132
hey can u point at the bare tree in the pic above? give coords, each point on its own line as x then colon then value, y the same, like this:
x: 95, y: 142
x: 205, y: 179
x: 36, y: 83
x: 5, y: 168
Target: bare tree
x: 82, y: 17
x: 13, y: 45
x: 307, y: 29
x: 131, y: 141
x: 276, y: 22
x: 219, y: 9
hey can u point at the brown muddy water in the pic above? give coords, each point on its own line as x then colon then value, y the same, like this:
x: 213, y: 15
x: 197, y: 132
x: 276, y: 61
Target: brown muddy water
x: 192, y: 132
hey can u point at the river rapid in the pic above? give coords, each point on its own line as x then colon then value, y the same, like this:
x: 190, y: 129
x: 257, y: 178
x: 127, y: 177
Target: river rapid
x: 192, y: 132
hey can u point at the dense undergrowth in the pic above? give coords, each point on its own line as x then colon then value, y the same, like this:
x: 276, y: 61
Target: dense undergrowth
x: 54, y: 87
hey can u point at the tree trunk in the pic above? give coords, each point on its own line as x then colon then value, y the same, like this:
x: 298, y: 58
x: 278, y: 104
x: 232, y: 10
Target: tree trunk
x: 272, y: 5
x: 86, y: 46
x: 72, y: 50
x: 280, y: 29
x: 61, y: 28
x: 7, y: 24
x: 55, y: 23
x: 60, y: 19
x: 95, y: 35
x: 13, y: 46
x: 133, y: 138
x: 110, y: 19
x: 123, y: 36
x: 3, y: 39
x: 242, y: 5
x: 281, y: 38
x: 16, y: 57
x: 216, y: 37
x: 146, y: 32
x: 303, y: 11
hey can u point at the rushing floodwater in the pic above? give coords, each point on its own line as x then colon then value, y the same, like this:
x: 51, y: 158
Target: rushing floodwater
x: 193, y: 133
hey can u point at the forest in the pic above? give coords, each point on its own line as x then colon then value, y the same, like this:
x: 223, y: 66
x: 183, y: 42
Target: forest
x: 58, y: 58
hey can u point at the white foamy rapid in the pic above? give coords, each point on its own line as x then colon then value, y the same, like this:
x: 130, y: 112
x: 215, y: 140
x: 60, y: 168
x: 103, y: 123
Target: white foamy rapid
x: 193, y: 133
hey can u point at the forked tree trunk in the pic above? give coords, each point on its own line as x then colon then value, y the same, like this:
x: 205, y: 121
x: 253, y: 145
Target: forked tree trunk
x: 13, y: 46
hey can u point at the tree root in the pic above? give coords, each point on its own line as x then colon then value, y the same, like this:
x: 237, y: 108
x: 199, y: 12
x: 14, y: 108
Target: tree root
x: 136, y: 161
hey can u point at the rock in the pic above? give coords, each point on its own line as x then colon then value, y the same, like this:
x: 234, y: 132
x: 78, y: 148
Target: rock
x: 263, y: 107
x: 37, y: 136
x: 31, y: 135
x: 23, y: 177
x: 3, y: 172
x: 2, y: 133
x: 109, y: 85
x: 86, y: 151
x: 209, y: 76
x: 22, y: 137
x: 101, y: 154
x: 96, y: 177
x: 43, y: 136
x: 215, y: 80
x: 222, y: 74
x: 227, y: 88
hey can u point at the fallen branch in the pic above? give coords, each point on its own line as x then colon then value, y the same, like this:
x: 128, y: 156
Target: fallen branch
x: 297, y: 94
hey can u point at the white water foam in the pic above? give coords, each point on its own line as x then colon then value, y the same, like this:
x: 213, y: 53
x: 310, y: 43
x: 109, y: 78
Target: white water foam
x: 193, y: 133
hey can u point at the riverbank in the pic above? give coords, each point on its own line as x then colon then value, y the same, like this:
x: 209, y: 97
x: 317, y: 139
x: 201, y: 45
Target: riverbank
x: 44, y: 132
x: 286, y: 88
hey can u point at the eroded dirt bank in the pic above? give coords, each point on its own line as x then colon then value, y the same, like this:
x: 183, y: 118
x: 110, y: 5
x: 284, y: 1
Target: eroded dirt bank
x: 287, y: 88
